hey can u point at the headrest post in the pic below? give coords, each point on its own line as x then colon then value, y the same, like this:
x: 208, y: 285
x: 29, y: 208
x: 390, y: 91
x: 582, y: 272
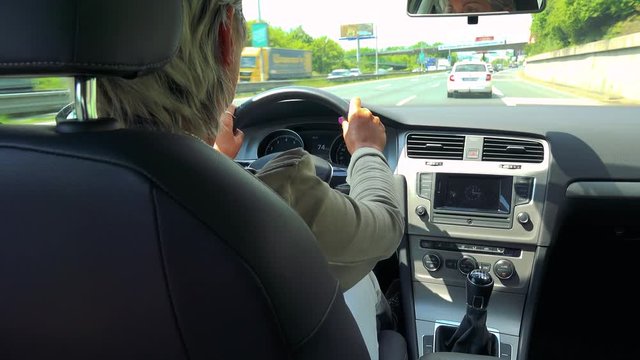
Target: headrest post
x: 85, y: 98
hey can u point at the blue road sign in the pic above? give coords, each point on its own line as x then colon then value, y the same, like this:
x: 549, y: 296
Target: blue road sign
x: 259, y: 35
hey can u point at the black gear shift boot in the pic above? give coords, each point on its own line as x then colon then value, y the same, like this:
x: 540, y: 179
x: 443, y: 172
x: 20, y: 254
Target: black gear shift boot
x: 471, y: 337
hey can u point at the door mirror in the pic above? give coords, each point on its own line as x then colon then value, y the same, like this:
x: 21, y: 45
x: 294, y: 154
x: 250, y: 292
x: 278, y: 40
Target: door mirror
x: 472, y: 7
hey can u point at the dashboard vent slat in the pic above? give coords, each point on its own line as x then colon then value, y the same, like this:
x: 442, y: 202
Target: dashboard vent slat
x: 435, y: 146
x: 512, y: 150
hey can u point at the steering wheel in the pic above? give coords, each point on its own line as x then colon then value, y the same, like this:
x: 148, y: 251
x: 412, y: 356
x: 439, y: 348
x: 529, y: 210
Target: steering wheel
x: 248, y: 113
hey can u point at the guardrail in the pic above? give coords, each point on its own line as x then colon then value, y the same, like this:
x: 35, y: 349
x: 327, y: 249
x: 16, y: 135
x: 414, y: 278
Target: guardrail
x: 36, y: 102
x: 370, y: 77
x: 249, y: 87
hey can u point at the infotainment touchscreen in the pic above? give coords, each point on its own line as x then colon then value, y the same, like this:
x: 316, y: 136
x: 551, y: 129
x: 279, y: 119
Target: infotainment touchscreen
x: 473, y: 193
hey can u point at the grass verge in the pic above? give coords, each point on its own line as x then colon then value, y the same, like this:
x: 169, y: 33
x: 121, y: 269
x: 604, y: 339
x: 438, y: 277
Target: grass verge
x: 30, y: 120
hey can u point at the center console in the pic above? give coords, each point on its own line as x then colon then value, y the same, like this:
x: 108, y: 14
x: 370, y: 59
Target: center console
x: 474, y: 202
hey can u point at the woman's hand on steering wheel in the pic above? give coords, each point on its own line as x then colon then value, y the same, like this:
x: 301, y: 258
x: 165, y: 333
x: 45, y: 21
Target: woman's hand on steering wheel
x: 229, y: 140
x: 363, y: 129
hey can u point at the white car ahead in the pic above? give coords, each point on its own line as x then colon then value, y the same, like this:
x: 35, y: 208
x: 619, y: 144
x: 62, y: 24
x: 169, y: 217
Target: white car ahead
x: 469, y: 77
x: 339, y: 73
x: 355, y: 72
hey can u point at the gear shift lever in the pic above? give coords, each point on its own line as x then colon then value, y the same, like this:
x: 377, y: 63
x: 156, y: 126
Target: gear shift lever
x: 472, y: 336
x: 479, y: 287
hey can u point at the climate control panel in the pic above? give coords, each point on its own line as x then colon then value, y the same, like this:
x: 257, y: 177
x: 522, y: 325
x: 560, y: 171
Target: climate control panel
x: 449, y: 262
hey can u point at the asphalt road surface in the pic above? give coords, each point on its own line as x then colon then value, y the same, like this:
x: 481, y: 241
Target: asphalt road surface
x: 509, y: 89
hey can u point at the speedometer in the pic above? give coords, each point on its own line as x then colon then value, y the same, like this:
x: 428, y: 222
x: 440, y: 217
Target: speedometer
x: 339, y: 153
x: 281, y: 140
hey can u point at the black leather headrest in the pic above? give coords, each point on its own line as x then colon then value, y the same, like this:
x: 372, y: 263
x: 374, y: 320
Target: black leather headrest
x: 88, y: 37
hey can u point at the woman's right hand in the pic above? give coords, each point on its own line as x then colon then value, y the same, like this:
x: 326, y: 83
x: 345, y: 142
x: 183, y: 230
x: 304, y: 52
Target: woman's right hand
x: 362, y: 129
x: 228, y: 141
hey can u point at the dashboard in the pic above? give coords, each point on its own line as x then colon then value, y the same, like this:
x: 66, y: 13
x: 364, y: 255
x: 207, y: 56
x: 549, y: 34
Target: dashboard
x: 322, y: 140
x: 486, y: 187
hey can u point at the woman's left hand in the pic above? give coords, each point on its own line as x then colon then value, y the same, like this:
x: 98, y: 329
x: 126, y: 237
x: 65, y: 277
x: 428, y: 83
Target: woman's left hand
x: 227, y: 141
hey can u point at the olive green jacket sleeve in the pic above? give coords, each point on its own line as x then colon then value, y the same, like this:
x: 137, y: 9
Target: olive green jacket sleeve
x: 354, y: 231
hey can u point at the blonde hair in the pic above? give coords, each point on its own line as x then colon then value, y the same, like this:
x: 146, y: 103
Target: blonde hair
x: 194, y: 89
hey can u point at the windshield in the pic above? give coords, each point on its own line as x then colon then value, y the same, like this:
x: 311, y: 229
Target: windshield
x: 575, y: 52
x: 247, y: 62
x: 407, y: 61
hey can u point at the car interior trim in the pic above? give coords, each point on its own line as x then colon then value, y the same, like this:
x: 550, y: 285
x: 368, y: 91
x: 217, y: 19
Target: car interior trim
x: 604, y: 189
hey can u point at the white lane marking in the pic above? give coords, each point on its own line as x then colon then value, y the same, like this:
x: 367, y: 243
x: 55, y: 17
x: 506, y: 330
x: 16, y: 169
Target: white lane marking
x: 415, y: 80
x: 515, y: 101
x: 431, y: 86
x: 383, y: 87
x: 497, y: 92
x: 404, y: 101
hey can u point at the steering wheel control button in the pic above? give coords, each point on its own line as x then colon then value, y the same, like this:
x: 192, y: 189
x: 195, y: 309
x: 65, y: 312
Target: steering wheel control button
x: 421, y: 210
x: 431, y: 261
x: 504, y: 269
x: 466, y: 264
x: 523, y: 218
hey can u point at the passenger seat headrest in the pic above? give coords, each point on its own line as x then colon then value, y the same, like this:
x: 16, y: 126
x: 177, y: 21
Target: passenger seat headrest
x: 124, y: 38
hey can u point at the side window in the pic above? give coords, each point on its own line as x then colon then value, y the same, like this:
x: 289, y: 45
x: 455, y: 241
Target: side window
x: 33, y: 100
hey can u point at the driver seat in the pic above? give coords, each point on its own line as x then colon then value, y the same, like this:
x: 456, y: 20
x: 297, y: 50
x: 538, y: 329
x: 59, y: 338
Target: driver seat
x: 131, y: 244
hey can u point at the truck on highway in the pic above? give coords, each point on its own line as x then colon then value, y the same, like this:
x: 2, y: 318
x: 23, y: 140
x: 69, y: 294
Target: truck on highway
x: 264, y: 64
x: 443, y: 64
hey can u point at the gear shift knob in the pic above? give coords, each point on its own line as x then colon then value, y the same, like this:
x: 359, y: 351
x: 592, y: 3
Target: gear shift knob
x: 479, y: 287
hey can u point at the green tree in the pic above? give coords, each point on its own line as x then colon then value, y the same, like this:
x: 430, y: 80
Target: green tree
x: 326, y: 55
x: 454, y: 58
x: 420, y: 45
x: 299, y: 35
x: 574, y: 22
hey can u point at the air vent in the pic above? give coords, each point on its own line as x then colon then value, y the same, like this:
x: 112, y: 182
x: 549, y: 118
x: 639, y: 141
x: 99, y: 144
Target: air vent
x: 435, y: 146
x: 512, y: 150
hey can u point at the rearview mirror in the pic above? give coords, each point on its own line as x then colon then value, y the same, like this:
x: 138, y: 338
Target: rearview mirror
x: 472, y: 7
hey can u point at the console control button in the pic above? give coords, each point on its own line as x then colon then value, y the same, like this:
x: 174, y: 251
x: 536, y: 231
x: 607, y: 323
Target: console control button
x: 485, y: 267
x: 451, y: 263
x: 427, y: 341
x: 467, y: 264
x: 504, y: 269
x: 523, y: 218
x: 424, y: 186
x: 523, y: 187
x: 431, y: 261
x: 421, y: 210
x: 505, y: 351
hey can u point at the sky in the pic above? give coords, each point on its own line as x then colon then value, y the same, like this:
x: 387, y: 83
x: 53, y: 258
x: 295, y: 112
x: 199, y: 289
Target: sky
x: 394, y: 26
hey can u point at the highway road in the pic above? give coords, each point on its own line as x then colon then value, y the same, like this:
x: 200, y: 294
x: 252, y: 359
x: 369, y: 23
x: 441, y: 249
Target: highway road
x: 509, y: 89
